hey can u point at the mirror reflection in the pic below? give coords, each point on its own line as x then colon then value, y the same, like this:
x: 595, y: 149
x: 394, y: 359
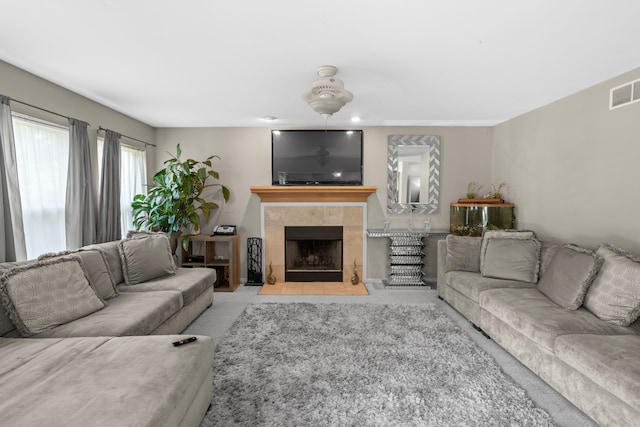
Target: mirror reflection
x: 414, y: 174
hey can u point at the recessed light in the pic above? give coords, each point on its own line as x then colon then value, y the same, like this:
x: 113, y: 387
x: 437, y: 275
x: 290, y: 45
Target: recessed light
x: 355, y: 119
x: 268, y: 118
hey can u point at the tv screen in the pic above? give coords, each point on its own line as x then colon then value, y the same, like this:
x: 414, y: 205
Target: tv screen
x: 316, y: 157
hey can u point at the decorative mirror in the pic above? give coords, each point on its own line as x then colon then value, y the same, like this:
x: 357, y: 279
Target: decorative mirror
x: 413, y: 174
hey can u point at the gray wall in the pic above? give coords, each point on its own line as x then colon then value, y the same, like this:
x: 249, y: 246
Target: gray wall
x: 23, y: 86
x: 246, y: 162
x: 572, y: 168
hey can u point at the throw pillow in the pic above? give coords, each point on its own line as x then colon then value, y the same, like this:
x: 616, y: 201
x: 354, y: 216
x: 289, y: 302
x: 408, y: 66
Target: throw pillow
x: 42, y: 295
x: 96, y: 267
x: 111, y: 255
x: 146, y: 258
x: 501, y: 234
x: 99, y: 274
x: 512, y: 259
x: 569, y: 275
x: 137, y: 234
x: 547, y: 252
x: 614, y: 295
x: 463, y: 253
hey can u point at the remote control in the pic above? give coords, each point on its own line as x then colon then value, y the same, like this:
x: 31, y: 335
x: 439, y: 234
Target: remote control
x: 185, y: 341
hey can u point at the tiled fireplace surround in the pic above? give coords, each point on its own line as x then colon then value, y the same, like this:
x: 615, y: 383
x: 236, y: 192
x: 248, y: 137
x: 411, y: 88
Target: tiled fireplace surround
x: 314, y: 206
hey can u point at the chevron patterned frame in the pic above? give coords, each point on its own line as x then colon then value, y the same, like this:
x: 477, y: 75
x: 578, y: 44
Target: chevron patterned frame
x: 432, y: 142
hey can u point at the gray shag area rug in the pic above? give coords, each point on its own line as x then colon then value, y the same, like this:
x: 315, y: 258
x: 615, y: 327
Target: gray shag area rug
x: 304, y: 364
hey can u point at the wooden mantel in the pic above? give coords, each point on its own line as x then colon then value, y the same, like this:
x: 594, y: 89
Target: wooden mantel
x: 313, y: 193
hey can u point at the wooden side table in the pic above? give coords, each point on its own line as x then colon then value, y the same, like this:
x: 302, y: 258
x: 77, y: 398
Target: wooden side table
x: 219, y: 252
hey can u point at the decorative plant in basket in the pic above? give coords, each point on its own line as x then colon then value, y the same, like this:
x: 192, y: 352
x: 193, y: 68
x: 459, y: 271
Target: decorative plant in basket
x: 175, y: 200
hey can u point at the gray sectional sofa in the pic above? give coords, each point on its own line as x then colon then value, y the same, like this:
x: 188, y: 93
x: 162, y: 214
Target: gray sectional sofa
x: 86, y: 338
x: 567, y: 313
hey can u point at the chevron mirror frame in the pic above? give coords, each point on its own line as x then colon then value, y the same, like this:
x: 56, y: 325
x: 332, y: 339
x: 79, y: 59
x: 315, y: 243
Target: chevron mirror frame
x: 427, y: 149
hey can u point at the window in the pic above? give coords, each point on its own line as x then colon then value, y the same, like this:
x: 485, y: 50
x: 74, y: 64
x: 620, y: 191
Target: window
x: 42, y: 153
x: 133, y: 178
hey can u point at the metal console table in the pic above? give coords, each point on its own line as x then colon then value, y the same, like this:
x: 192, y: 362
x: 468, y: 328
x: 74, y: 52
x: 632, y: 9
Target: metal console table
x: 406, y: 253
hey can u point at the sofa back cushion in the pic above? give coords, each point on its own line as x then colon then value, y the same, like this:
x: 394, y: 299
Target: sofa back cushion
x: 463, y: 253
x: 111, y: 255
x: 614, y: 295
x: 99, y: 274
x: 569, y: 275
x: 6, y: 325
x: 547, y: 252
x: 146, y: 258
x: 95, y: 265
x: 510, y: 254
x: 41, y: 295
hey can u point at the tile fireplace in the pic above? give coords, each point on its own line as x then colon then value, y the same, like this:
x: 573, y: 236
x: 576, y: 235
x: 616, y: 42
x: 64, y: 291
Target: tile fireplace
x: 292, y: 207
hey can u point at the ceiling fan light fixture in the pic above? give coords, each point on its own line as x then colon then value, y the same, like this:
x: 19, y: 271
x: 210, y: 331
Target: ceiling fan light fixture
x: 327, y: 94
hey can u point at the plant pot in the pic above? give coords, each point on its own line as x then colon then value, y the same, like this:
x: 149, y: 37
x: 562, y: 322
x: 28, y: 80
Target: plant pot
x: 174, y: 240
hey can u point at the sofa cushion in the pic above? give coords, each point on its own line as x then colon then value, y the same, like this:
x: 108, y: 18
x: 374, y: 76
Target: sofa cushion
x: 191, y: 282
x: 111, y: 255
x: 95, y: 265
x: 487, y: 235
x: 611, y: 361
x: 131, y: 313
x: 6, y: 325
x: 512, y: 259
x: 101, y: 381
x: 547, y: 253
x: 146, y: 258
x: 614, y: 295
x: 99, y: 274
x: 531, y: 313
x: 569, y: 275
x: 42, y: 295
x: 463, y: 253
x: 472, y: 284
x: 137, y: 234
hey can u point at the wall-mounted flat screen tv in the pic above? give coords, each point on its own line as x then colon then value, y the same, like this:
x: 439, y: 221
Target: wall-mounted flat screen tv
x: 316, y: 157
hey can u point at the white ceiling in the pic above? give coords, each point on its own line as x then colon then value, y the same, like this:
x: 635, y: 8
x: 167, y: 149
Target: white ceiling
x: 407, y: 62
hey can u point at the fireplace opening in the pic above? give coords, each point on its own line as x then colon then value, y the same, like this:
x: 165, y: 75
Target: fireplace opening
x: 313, y: 254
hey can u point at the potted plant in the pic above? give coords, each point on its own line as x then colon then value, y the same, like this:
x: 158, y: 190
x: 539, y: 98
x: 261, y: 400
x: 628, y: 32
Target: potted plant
x: 175, y: 201
x: 472, y: 190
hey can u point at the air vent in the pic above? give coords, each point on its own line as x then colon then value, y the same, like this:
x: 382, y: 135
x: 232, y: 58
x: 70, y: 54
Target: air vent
x: 625, y: 94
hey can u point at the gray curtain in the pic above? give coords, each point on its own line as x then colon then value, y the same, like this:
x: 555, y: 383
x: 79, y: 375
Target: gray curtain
x: 109, y: 208
x: 12, y: 242
x: 80, y: 219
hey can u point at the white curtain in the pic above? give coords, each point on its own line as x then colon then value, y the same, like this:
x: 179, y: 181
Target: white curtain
x: 12, y: 246
x: 80, y: 209
x: 42, y: 151
x: 133, y: 180
x: 109, y: 224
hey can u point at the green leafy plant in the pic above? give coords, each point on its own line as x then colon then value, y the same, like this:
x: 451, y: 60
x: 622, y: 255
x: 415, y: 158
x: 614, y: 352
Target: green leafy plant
x: 175, y: 200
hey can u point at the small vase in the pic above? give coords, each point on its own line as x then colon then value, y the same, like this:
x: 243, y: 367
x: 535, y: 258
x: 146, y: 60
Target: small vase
x: 355, y: 279
x: 271, y: 279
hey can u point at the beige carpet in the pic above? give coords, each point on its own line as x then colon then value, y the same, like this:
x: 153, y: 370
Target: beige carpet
x: 313, y: 288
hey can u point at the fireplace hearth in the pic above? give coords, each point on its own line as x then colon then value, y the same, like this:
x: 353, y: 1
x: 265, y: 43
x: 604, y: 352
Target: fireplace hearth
x: 313, y: 254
